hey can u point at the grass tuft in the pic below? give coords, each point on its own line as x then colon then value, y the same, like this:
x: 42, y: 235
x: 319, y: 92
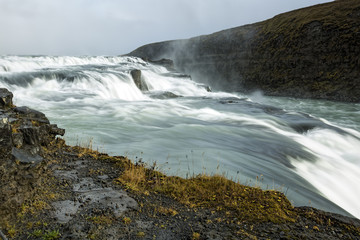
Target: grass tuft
x: 217, y: 192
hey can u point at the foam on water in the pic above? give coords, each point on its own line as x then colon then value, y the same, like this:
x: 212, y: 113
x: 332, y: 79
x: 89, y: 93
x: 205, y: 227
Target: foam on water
x: 196, y: 130
x: 336, y: 172
x: 21, y: 64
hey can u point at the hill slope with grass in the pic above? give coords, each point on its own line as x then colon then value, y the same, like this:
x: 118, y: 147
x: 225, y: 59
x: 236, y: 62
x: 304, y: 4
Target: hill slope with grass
x: 309, y: 53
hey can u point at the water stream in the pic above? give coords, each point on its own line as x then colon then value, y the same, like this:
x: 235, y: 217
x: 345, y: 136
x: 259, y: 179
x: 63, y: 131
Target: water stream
x: 309, y: 149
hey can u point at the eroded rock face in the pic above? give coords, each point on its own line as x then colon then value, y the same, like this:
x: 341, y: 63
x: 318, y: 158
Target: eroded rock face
x: 23, y: 132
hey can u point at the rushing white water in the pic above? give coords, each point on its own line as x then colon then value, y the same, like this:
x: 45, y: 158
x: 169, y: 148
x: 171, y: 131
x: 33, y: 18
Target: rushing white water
x: 308, y: 149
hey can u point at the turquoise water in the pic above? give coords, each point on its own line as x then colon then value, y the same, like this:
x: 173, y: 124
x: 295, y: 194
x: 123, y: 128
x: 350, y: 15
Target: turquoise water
x: 309, y: 149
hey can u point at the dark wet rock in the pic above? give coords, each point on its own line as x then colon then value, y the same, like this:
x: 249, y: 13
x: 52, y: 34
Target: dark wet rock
x: 23, y: 157
x: 31, y: 114
x: 206, y: 87
x: 232, y: 100
x: 5, y: 98
x: 167, y: 63
x: 89, y: 193
x: 164, y: 95
x: 300, y: 54
x: 138, y: 80
x: 18, y: 139
x: 55, y: 130
x: 176, y: 75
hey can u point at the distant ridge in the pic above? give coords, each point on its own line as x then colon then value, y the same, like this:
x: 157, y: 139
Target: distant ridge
x: 312, y: 52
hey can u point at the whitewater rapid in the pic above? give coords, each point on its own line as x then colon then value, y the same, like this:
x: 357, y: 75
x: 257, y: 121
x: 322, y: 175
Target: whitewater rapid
x: 308, y: 149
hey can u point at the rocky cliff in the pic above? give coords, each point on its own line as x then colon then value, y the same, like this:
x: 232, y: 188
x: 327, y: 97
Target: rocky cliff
x: 23, y: 134
x: 310, y: 53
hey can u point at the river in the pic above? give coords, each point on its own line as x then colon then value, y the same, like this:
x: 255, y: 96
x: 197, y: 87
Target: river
x: 308, y: 149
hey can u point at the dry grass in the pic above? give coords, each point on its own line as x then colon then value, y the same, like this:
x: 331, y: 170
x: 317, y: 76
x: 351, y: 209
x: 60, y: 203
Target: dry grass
x: 166, y: 211
x: 328, y: 14
x: 217, y: 192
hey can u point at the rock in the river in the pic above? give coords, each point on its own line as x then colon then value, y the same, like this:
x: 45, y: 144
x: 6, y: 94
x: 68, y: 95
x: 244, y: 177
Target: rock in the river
x: 206, y: 87
x: 164, y: 95
x: 138, y: 80
x: 167, y: 63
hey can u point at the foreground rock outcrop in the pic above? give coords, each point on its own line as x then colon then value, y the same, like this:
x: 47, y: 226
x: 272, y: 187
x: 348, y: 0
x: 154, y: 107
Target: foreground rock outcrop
x: 23, y: 133
x: 50, y: 190
x: 308, y: 53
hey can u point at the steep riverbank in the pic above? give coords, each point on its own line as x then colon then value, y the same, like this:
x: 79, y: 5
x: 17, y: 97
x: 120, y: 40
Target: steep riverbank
x: 308, y: 53
x: 53, y: 191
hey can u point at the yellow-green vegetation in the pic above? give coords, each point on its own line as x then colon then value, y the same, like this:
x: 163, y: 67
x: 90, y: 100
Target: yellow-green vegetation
x: 329, y: 14
x: 40, y: 200
x: 96, y: 172
x: 27, y: 215
x: 35, y: 123
x: 50, y: 235
x: 86, y: 148
x: 11, y: 230
x: 166, y: 211
x: 82, y: 151
x: 247, y: 203
x: 126, y: 220
x: 32, y: 207
x: 101, y: 220
x: 195, y: 236
x: 325, y: 220
x: 47, y: 235
x: 15, y: 126
x: 140, y: 234
x: 133, y: 177
x: 36, y: 233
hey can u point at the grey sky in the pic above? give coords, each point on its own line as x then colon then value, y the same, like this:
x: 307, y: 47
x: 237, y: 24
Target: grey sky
x: 112, y: 27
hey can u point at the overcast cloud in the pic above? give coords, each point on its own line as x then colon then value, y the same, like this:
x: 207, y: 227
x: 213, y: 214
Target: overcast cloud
x: 112, y: 27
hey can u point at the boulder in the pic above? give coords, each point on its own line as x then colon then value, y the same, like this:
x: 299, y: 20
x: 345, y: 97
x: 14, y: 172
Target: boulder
x: 138, y: 80
x: 5, y: 98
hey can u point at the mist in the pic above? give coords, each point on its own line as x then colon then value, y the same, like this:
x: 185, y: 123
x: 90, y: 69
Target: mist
x: 109, y: 27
